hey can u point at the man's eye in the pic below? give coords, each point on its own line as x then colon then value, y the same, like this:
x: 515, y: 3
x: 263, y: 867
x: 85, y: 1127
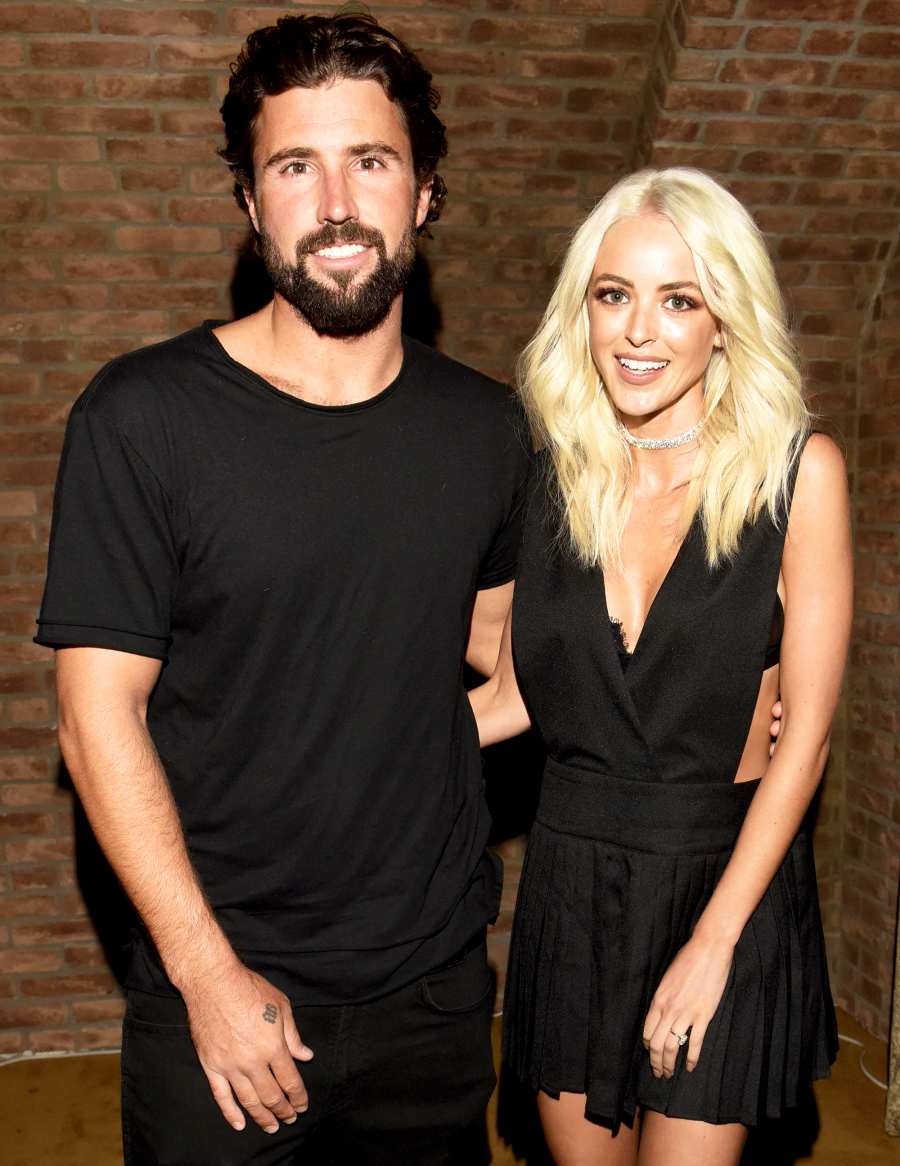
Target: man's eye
x: 295, y: 168
x: 370, y: 163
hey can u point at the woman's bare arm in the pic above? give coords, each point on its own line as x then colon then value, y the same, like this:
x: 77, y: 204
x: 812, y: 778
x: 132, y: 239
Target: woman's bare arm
x: 817, y: 569
x: 499, y: 710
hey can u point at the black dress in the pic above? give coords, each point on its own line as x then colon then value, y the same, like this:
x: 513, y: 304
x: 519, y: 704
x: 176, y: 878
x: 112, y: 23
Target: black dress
x: 637, y: 819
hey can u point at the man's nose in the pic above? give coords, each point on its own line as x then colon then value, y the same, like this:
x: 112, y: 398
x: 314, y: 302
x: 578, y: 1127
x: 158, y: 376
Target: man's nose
x: 336, y: 202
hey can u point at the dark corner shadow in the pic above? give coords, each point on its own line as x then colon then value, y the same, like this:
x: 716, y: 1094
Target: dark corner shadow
x: 251, y: 289
x: 787, y: 1140
x: 518, y: 1124
x: 107, y: 904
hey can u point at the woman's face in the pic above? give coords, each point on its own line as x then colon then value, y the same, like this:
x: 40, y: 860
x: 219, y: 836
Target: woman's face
x: 651, y: 333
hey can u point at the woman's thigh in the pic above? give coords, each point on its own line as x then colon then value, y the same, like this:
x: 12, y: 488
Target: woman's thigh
x: 675, y: 1141
x: 573, y: 1140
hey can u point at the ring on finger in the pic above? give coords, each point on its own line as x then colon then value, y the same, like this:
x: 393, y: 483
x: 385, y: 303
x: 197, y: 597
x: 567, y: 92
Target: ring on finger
x: 681, y: 1037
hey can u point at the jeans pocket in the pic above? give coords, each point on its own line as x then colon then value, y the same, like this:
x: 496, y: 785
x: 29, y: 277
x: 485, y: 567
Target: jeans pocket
x: 460, y: 987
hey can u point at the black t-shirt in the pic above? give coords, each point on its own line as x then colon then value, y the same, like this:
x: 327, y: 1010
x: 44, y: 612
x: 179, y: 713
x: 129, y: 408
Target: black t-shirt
x: 306, y: 574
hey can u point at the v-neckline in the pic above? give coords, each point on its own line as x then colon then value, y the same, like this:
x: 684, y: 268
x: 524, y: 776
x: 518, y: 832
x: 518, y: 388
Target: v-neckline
x: 654, y: 602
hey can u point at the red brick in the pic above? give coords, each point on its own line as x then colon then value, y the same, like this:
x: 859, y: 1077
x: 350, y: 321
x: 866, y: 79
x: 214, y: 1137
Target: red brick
x: 882, y: 12
x: 92, y: 178
x: 801, y: 10
x: 11, y: 53
x: 620, y: 37
x: 829, y: 42
x: 28, y: 148
x: 774, y: 71
x: 166, y: 239
x: 776, y: 39
x: 23, y: 960
x: 756, y: 133
x: 205, y: 210
x: 152, y: 178
x: 84, y: 54
x: 26, y: 824
x: 546, y: 33
x: 62, y: 296
x: 577, y: 66
x: 799, y: 162
x: 41, y: 850
x: 155, y: 149
x: 85, y: 956
x: 92, y: 1011
x: 156, y: 295
x: 158, y: 22
x: 115, y: 267
x: 56, y: 86
x: 553, y: 129
x: 448, y: 60
x: 14, y: 118
x: 873, y: 166
x: 89, y: 984
x: 879, y: 44
x: 44, y: 18
x: 712, y: 100
x: 190, y: 121
x: 115, y: 323
x: 203, y: 54
x: 31, y: 1015
x: 151, y: 88
x: 811, y: 105
x: 695, y: 66
x: 600, y: 101
x: 22, y: 208
x: 85, y: 119
x: 218, y: 180
x: 718, y: 8
x: 52, y: 1041
x: 109, y: 1037
x: 694, y: 34
x: 30, y: 176
x: 507, y: 97
x: 868, y: 75
x: 110, y: 209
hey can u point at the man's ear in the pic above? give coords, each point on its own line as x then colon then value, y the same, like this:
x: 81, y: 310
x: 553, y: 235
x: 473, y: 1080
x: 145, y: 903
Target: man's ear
x: 251, y: 208
x: 423, y: 202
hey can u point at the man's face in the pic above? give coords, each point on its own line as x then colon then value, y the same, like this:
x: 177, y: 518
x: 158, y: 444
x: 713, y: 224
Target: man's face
x: 336, y: 203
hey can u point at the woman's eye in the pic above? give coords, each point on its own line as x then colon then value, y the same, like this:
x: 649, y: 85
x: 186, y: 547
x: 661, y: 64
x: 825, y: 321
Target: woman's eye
x: 680, y: 303
x: 611, y: 295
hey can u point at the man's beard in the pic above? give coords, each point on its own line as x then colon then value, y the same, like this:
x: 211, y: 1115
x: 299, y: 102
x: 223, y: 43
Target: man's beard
x: 334, y: 305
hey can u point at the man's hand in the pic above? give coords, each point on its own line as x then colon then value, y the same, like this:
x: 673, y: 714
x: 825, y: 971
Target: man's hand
x: 244, y: 1033
x: 775, y: 727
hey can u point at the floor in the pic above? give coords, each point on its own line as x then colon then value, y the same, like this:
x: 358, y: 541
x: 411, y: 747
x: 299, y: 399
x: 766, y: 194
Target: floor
x: 65, y: 1112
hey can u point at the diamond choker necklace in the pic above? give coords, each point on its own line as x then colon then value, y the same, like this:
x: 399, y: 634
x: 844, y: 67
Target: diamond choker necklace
x: 661, y: 442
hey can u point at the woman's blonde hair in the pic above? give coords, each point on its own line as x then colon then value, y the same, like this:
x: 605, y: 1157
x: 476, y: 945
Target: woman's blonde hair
x: 754, y: 413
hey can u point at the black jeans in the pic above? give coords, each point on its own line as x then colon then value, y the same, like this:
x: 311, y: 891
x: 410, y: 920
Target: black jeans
x: 404, y: 1079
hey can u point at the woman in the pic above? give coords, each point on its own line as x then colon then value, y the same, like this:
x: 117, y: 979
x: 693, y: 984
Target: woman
x: 686, y: 555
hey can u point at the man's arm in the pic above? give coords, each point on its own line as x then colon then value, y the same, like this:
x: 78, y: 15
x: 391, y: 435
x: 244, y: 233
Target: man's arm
x: 486, y: 629
x: 247, y: 1050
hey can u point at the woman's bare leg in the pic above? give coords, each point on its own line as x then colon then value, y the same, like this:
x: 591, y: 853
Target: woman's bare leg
x: 575, y: 1141
x: 673, y: 1141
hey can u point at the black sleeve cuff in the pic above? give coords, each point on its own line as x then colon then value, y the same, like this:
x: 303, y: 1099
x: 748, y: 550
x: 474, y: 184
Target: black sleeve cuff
x: 67, y: 635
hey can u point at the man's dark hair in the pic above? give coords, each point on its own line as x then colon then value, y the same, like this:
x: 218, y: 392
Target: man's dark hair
x: 308, y: 51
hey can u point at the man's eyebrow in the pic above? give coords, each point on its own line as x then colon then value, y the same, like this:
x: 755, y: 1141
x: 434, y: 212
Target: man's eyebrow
x: 290, y: 153
x: 373, y: 148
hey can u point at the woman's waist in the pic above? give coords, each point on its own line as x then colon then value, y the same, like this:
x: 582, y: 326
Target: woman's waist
x: 653, y: 816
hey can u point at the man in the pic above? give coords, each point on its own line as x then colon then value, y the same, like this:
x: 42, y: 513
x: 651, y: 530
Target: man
x: 274, y: 543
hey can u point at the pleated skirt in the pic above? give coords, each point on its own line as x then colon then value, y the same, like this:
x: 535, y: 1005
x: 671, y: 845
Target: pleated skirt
x: 616, y: 875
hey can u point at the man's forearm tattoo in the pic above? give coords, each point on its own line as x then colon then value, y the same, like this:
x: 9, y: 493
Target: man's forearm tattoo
x: 270, y: 1013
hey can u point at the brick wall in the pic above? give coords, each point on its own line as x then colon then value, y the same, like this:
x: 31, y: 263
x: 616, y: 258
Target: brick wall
x: 118, y: 228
